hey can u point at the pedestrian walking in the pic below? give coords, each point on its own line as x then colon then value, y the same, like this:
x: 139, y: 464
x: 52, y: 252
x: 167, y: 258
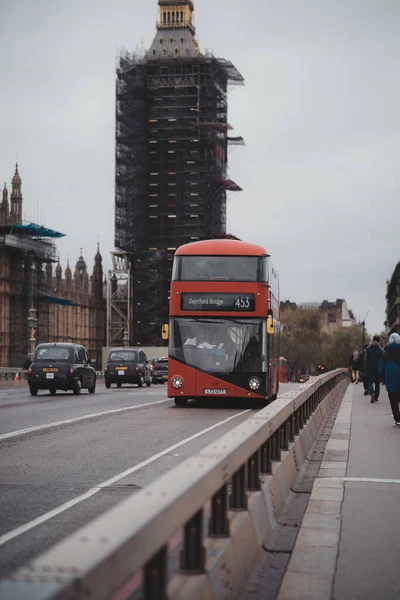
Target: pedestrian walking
x: 374, y: 355
x: 354, y: 366
x: 362, y: 366
x: 390, y: 371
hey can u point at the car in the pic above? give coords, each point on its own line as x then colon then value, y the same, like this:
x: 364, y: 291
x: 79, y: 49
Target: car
x: 59, y: 366
x: 304, y: 378
x: 160, y: 370
x: 127, y: 365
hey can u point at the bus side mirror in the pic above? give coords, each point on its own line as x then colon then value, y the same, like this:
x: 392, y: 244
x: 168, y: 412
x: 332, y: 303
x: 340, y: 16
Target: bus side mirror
x: 165, y: 332
x: 270, y: 325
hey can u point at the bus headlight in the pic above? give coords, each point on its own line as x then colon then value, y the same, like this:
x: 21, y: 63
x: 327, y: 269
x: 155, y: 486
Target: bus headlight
x: 254, y: 384
x: 177, y: 382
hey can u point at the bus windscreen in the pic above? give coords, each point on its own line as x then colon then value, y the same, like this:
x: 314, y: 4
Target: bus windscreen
x: 218, y: 345
x: 216, y: 268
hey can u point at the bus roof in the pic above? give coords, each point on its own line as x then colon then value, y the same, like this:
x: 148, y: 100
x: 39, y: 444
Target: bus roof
x: 221, y: 247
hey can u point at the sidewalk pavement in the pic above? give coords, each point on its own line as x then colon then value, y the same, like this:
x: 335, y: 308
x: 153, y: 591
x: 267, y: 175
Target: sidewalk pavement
x: 348, y: 546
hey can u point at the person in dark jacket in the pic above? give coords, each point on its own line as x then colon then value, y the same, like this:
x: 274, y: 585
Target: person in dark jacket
x: 390, y: 371
x: 373, y: 357
x: 354, y: 367
x: 362, y: 365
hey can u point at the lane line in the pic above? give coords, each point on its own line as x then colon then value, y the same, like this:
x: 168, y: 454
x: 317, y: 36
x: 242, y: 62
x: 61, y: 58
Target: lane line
x: 114, y: 411
x: 95, y: 490
x: 12, y: 434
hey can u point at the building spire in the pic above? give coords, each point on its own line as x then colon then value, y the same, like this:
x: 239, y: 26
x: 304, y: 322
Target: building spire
x: 175, y: 14
x: 16, y: 197
x: 4, y: 207
x: 176, y: 31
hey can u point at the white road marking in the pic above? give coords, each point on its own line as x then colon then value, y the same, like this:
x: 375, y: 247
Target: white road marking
x: 363, y: 480
x: 114, y: 411
x: 12, y: 434
x: 94, y: 490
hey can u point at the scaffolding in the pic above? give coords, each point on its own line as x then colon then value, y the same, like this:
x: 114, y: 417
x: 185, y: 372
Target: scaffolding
x: 119, y: 300
x: 171, y: 171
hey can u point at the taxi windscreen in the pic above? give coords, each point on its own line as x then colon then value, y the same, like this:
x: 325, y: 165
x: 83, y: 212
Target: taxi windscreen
x: 124, y: 356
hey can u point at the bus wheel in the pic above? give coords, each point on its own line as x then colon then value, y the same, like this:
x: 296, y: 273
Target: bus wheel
x: 181, y: 401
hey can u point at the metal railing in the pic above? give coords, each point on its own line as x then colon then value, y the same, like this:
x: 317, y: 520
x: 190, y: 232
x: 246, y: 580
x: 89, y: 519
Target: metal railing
x: 9, y: 373
x: 99, y: 559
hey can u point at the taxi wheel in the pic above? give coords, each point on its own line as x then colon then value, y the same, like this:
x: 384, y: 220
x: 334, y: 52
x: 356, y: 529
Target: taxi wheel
x: 119, y: 384
x: 92, y: 390
x: 33, y: 390
x: 108, y: 385
x: 181, y: 401
x: 77, y: 387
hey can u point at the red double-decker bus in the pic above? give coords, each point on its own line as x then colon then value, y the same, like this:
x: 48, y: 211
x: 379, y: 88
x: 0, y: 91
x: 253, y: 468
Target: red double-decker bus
x: 224, y: 323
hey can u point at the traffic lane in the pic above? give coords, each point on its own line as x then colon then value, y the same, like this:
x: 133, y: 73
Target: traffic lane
x: 40, y: 472
x: 30, y: 490
x: 25, y: 411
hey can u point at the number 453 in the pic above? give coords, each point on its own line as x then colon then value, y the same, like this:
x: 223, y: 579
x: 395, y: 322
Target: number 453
x: 242, y: 302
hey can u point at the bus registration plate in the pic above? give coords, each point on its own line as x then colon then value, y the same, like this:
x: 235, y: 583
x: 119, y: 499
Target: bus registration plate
x: 217, y: 392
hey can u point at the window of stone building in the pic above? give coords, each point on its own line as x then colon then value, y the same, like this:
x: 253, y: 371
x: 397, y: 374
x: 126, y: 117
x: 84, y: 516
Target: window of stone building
x: 331, y: 318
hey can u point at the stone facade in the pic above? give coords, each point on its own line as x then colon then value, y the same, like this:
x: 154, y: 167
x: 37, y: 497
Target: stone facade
x: 70, y: 308
x: 83, y: 321
x: 334, y: 315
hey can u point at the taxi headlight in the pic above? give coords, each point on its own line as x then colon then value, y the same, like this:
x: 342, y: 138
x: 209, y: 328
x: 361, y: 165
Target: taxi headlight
x: 254, y: 384
x: 177, y: 382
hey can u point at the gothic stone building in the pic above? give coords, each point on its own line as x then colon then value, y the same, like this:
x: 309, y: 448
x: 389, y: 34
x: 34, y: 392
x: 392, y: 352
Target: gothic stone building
x: 69, y: 309
x: 333, y: 315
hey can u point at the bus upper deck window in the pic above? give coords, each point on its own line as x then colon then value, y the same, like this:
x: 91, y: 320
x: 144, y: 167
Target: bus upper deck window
x: 265, y: 269
x: 217, y: 268
x: 175, y: 268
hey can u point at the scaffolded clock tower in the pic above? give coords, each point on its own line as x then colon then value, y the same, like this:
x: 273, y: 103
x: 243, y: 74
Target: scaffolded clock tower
x: 172, y: 138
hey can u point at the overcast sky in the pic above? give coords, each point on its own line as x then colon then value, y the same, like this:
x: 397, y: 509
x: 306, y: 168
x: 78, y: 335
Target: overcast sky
x: 319, y: 112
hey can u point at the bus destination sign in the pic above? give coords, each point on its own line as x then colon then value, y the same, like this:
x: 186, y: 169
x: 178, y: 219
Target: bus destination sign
x: 218, y: 302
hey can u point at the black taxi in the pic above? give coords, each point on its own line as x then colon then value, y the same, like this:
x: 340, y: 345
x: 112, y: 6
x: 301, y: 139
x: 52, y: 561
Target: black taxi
x: 160, y: 370
x: 58, y: 366
x: 127, y: 365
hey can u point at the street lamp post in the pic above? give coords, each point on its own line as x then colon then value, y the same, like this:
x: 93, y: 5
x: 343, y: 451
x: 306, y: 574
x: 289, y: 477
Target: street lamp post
x: 32, y: 324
